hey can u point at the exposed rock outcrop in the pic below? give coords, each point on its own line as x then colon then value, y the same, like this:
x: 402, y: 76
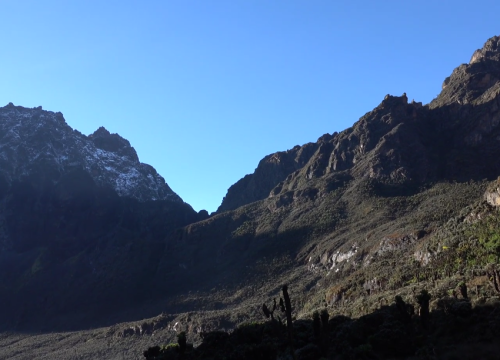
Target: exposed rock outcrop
x: 492, y: 194
x: 387, y: 144
x: 399, y: 143
x: 271, y: 170
x: 474, y: 83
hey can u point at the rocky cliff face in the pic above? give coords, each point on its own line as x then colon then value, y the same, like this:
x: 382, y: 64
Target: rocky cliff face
x: 394, y: 143
x: 387, y: 144
x: 38, y: 143
x: 270, y: 171
x: 401, y: 143
x: 474, y: 83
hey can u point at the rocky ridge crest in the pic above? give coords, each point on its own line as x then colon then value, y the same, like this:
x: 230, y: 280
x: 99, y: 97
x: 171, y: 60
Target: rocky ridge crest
x: 401, y: 142
x: 34, y: 142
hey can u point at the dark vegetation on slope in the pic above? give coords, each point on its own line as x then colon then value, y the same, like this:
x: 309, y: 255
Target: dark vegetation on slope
x: 447, y: 309
x: 400, y: 330
x: 75, y: 251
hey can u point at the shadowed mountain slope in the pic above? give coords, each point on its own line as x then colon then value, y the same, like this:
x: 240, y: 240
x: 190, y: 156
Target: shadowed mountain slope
x: 82, y: 221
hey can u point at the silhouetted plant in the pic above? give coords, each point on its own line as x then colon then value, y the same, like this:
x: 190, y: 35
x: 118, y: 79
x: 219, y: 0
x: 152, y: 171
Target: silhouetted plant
x: 324, y: 320
x: 181, y: 340
x: 423, y: 300
x: 152, y: 352
x: 323, y: 338
x: 288, y: 311
x: 463, y: 289
x: 316, y: 325
x: 282, y: 305
x: 269, y: 313
x: 403, y: 309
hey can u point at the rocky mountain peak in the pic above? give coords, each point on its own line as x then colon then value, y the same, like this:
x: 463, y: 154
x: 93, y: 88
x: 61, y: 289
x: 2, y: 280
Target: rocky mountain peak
x: 100, y: 132
x: 39, y: 143
x: 104, y: 140
x: 368, y: 148
x: 371, y: 146
x: 475, y: 83
x: 490, y: 50
x: 399, y: 143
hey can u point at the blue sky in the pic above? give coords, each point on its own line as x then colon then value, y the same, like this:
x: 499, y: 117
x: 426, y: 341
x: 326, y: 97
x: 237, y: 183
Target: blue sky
x: 204, y: 89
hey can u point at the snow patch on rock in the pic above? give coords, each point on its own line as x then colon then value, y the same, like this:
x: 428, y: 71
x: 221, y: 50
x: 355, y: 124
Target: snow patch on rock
x: 33, y: 138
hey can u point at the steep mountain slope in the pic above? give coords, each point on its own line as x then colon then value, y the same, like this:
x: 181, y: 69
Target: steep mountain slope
x: 378, y: 190
x: 82, y: 221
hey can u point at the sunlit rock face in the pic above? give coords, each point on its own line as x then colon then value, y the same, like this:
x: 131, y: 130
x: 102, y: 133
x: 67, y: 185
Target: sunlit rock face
x: 492, y: 194
x: 490, y: 50
x: 38, y: 143
x: 475, y: 83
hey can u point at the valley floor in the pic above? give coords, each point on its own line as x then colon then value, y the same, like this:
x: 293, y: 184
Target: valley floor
x: 94, y: 344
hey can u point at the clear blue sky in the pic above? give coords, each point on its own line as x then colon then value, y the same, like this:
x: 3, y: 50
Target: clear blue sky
x: 204, y: 89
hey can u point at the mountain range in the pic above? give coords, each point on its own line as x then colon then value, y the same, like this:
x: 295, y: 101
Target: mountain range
x: 395, y: 204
